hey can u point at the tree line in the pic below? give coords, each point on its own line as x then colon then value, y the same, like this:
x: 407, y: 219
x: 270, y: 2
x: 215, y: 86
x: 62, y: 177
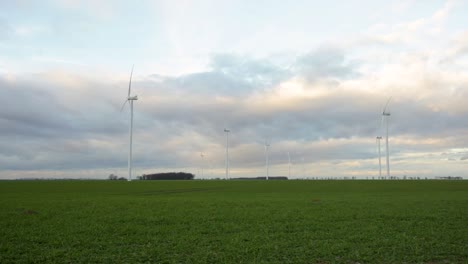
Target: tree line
x: 168, y: 176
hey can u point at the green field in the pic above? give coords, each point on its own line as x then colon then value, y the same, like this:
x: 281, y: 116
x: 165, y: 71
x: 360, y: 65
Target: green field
x: 234, y: 222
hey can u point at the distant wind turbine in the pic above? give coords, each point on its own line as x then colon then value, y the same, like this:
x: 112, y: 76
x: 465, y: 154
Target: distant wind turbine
x: 227, y: 152
x: 386, y: 116
x: 289, y: 166
x: 380, y: 162
x: 130, y: 99
x: 267, y: 147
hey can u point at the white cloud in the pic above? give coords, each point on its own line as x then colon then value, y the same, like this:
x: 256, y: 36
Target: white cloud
x: 29, y: 31
x: 56, y: 60
x: 102, y: 9
x: 402, y: 5
x: 459, y: 47
x: 413, y: 32
x: 5, y: 29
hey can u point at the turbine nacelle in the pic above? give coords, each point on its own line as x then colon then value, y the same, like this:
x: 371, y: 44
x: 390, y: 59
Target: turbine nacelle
x: 133, y: 98
x: 384, y: 111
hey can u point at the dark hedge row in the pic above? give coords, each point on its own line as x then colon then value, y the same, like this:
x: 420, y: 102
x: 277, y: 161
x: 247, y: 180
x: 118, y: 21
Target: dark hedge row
x: 168, y: 176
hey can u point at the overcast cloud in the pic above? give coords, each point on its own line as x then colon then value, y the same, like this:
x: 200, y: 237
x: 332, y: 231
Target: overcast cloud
x: 319, y: 98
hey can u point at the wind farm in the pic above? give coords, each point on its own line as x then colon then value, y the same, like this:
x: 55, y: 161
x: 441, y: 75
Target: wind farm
x: 234, y: 131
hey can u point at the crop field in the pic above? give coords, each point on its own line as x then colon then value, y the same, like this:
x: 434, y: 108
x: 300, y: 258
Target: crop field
x: 234, y: 221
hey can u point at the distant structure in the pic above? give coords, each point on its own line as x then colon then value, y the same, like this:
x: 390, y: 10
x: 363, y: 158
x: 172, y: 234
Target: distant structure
x: 114, y: 177
x: 202, y: 163
x: 227, y: 152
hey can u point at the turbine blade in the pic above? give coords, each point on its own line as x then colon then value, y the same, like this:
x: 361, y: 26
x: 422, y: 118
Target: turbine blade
x: 385, y: 108
x: 123, y: 105
x: 130, y: 82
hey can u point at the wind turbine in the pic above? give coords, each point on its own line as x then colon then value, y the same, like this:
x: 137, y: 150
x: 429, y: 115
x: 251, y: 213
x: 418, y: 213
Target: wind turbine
x: 227, y: 152
x: 386, y: 116
x: 380, y: 163
x: 267, y: 148
x: 130, y: 99
x: 289, y: 166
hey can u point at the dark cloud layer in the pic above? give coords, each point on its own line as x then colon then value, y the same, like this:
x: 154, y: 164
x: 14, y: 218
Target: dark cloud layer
x: 31, y: 112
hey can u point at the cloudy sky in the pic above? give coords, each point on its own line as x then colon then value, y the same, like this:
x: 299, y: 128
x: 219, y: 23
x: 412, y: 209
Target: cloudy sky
x: 310, y: 77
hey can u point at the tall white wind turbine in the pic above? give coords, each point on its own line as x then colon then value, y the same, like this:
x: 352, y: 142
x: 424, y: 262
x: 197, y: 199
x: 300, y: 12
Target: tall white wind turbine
x: 227, y: 152
x: 289, y: 166
x: 386, y: 116
x: 130, y: 99
x: 380, y: 157
x: 267, y: 164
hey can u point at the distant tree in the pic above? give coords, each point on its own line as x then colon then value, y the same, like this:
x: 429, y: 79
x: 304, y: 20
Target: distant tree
x: 122, y: 179
x: 113, y: 177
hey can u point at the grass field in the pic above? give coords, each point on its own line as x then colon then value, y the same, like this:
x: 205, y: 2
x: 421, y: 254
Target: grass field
x: 234, y: 222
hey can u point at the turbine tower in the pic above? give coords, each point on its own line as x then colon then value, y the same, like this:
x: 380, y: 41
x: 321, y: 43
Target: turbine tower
x: 386, y: 116
x: 289, y: 166
x: 267, y: 148
x: 227, y: 152
x: 380, y: 162
x: 130, y: 99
